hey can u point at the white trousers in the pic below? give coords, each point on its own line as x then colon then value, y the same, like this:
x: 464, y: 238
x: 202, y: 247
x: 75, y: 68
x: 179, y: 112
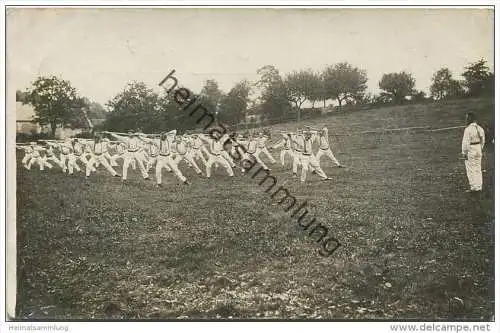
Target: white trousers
x: 297, y: 155
x: 117, y: 156
x: 189, y: 160
x: 228, y: 158
x: 132, y: 157
x: 284, y: 153
x: 473, y: 168
x: 310, y: 161
x: 110, y: 159
x: 196, y: 153
x: 54, y: 159
x: 250, y: 157
x: 327, y: 152
x: 74, y: 161
x: 27, y: 157
x: 164, y: 162
x: 95, y: 159
x: 41, y: 161
x: 68, y: 162
x: 218, y: 160
x: 150, y: 161
x: 265, y: 152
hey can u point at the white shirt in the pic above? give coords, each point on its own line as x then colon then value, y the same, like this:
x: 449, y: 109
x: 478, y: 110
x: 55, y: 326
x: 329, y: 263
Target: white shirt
x: 473, y: 135
x: 36, y: 151
x: 252, y: 145
x: 216, y: 147
x: 180, y: 147
x: 120, y: 148
x: 262, y: 141
x: 77, y: 148
x: 152, y: 150
x: 164, y: 147
x: 299, y: 144
x: 98, y: 148
x: 65, y: 149
x: 197, y: 143
x: 323, y: 142
x: 50, y: 151
x: 133, y: 143
x: 308, y: 146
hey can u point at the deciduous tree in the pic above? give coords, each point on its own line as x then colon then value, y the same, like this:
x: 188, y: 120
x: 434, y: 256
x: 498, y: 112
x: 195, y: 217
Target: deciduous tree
x: 274, y: 101
x: 56, y: 102
x: 233, y: 106
x: 478, y: 79
x: 444, y: 86
x: 300, y: 85
x: 398, y: 86
x: 344, y: 81
x: 137, y: 106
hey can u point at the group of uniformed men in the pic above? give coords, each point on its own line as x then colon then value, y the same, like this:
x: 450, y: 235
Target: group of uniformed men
x: 168, y: 149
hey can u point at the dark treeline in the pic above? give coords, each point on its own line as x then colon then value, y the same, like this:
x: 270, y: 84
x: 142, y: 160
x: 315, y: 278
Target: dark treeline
x: 277, y: 98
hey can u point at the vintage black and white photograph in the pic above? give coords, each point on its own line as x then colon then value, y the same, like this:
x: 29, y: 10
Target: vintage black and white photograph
x: 239, y: 163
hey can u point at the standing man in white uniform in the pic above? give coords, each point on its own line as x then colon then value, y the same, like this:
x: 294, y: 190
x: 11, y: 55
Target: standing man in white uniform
x: 472, y: 150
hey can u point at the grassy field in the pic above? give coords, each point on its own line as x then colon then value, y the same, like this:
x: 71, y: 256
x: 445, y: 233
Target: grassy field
x: 414, y: 245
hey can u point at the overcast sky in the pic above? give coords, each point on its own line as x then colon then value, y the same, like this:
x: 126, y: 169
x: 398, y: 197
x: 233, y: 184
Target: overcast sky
x: 100, y: 50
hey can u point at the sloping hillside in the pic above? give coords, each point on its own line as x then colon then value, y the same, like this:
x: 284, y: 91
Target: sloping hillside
x: 413, y: 244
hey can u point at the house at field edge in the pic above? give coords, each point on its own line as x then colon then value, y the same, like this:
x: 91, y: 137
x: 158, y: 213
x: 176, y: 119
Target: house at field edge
x: 25, y: 114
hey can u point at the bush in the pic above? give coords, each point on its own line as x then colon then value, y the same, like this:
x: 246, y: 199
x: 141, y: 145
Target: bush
x: 28, y: 137
x: 84, y: 135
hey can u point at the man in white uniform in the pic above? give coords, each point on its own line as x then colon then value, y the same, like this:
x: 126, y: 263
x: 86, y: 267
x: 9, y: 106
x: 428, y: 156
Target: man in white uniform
x: 28, y: 154
x: 216, y: 144
x: 308, y: 159
x: 151, y: 151
x: 68, y: 159
x: 472, y: 150
x: 182, y: 152
x: 107, y: 154
x: 286, y: 147
x: 133, y: 153
x: 324, y: 148
x: 51, y: 154
x: 165, y: 156
x: 195, y: 145
x: 251, y: 146
x: 198, y: 149
x: 298, y: 147
x: 261, y: 147
x: 98, y: 151
x: 38, y: 157
x: 118, y: 150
